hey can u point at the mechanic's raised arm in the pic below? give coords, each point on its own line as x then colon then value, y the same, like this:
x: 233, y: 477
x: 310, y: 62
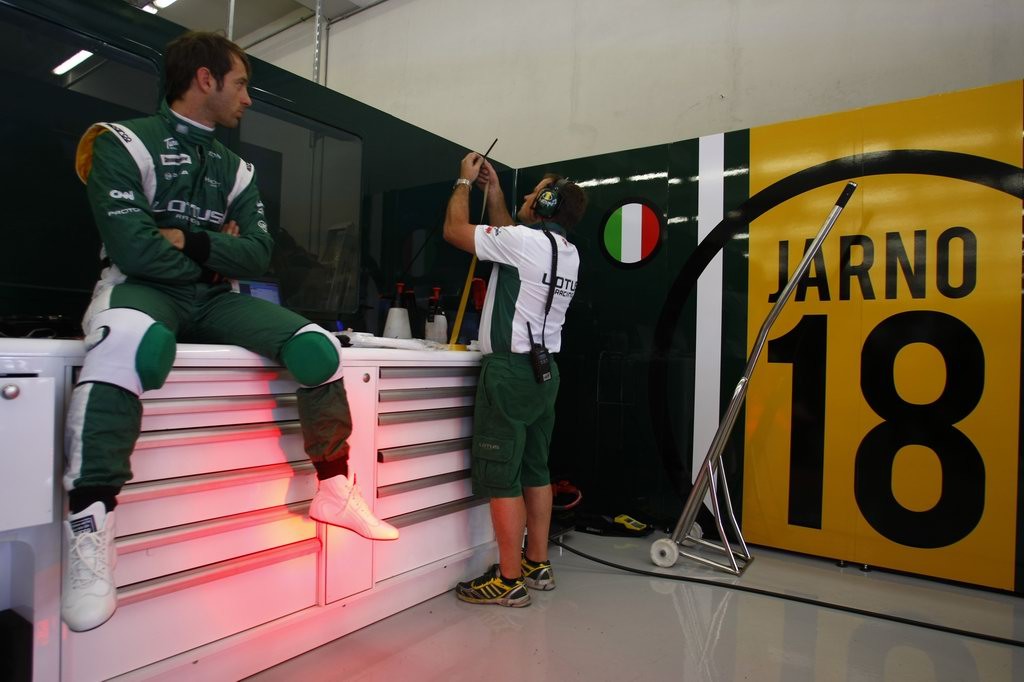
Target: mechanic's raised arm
x: 458, y: 230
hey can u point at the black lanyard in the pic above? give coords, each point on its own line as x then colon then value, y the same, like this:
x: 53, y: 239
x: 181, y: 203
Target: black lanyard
x: 551, y: 283
x: 540, y: 361
x: 551, y: 291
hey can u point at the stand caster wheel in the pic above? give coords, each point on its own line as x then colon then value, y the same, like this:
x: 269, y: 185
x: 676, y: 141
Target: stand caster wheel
x: 664, y: 552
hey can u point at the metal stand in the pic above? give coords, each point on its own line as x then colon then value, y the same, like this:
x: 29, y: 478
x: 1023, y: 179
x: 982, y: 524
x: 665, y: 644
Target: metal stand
x: 665, y: 552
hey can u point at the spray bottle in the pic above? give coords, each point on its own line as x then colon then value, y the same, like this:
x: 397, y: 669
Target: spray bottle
x: 397, y: 325
x: 437, y: 323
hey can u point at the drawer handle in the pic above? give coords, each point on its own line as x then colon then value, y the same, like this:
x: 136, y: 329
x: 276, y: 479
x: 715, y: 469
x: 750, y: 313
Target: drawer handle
x: 225, y: 404
x: 201, y: 529
x: 428, y: 372
x: 204, y: 482
x: 411, y: 416
x: 423, y: 449
x: 421, y: 483
x: 158, y: 587
x: 219, y: 374
x: 421, y: 515
x: 395, y: 394
x: 214, y: 434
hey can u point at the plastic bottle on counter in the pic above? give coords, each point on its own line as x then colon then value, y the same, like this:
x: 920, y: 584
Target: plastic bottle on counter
x: 397, y: 325
x: 437, y: 322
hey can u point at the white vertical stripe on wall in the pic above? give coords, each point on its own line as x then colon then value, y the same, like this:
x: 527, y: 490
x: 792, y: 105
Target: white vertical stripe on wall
x: 707, y: 374
x: 632, y: 232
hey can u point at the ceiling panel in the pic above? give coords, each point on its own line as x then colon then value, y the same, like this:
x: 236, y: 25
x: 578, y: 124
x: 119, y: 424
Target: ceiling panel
x: 212, y: 15
x: 336, y: 8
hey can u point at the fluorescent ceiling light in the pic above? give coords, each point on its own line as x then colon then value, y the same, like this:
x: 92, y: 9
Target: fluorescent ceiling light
x: 72, y: 63
x: 150, y: 9
x: 597, y: 182
x: 647, y: 176
x: 163, y: 3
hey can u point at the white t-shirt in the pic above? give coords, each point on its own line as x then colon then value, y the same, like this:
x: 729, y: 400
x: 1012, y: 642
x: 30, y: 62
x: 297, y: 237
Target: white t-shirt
x: 518, y: 288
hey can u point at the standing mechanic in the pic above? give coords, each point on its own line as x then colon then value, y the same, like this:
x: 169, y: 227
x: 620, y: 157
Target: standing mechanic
x: 532, y: 282
x: 179, y: 215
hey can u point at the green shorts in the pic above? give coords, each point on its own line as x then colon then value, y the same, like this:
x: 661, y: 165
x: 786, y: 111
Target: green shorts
x: 512, y: 424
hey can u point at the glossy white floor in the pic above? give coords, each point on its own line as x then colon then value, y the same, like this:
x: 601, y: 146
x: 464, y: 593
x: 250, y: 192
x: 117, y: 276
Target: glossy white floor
x: 605, y: 624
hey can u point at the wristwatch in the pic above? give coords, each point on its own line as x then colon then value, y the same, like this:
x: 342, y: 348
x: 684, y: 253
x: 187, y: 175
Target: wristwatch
x: 462, y: 181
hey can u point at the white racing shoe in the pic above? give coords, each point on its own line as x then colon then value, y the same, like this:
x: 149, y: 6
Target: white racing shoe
x: 339, y: 503
x: 88, y: 595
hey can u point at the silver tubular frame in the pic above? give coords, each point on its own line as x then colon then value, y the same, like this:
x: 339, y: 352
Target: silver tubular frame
x: 711, y: 469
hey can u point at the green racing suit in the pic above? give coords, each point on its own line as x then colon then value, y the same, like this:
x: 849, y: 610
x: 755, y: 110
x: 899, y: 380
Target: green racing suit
x: 166, y: 171
x: 174, y: 174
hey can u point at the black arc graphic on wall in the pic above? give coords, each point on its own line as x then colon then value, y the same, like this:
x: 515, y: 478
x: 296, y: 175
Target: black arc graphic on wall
x: 1000, y: 176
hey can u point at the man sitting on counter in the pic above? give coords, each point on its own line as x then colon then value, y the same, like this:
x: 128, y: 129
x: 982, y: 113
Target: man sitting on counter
x: 179, y: 216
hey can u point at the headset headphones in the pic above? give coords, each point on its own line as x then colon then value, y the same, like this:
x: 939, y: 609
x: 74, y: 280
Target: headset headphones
x: 548, y: 199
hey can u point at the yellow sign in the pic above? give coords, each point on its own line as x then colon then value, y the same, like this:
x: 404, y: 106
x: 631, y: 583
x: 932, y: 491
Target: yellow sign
x: 882, y: 418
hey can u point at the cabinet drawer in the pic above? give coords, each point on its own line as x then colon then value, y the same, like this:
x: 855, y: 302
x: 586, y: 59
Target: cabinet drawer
x: 408, y: 496
x: 424, y: 398
x: 187, y: 452
x: 150, y: 506
x: 201, y: 382
x: 183, y: 413
x: 432, y: 534
x: 164, y: 617
x: 409, y: 462
x: 145, y: 556
x: 424, y: 376
x: 411, y: 427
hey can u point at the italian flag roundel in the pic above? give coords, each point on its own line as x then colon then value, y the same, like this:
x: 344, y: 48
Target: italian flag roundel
x: 631, y: 232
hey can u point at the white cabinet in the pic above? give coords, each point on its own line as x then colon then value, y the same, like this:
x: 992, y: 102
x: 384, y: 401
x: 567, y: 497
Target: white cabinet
x: 26, y: 451
x: 162, y: 618
x: 31, y: 442
x: 220, y: 571
x: 424, y: 427
x: 216, y: 509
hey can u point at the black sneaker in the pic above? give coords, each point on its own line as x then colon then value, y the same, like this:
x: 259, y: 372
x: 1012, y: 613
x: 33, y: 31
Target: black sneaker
x: 538, y: 576
x: 491, y: 589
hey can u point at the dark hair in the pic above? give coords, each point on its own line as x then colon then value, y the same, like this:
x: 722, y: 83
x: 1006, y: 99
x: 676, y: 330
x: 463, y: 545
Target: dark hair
x: 572, y: 202
x: 191, y: 51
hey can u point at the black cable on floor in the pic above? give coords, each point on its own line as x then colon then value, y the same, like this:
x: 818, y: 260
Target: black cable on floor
x: 802, y: 600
